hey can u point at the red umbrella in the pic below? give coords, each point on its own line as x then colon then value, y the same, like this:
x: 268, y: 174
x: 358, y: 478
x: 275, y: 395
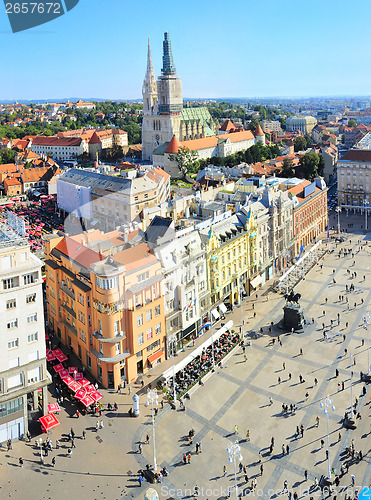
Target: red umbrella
x: 57, y: 351
x: 59, y: 367
x: 63, y: 374
x: 90, y: 388
x: 87, y: 401
x: 68, y: 380
x: 54, y: 408
x: 78, y: 377
x: 49, y: 421
x: 61, y: 357
x: 97, y: 396
x: 74, y: 386
x: 84, y: 382
x: 50, y: 356
x: 72, y: 369
x: 80, y: 394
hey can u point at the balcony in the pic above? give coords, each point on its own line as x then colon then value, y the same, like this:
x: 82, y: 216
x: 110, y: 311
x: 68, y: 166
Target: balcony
x: 115, y: 359
x: 68, y: 309
x: 109, y: 340
x: 67, y: 291
x: 70, y: 327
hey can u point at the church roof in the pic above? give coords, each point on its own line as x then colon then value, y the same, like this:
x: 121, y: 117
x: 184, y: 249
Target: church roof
x: 173, y: 146
x: 258, y: 131
x: 227, y: 126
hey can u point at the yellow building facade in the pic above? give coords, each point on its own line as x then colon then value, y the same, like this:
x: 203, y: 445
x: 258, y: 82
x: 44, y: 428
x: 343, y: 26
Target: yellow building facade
x: 231, y: 247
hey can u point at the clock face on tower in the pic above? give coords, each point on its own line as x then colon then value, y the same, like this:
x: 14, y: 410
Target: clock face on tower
x: 157, y: 137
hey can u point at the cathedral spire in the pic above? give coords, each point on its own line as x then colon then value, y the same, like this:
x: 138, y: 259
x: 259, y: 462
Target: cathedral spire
x: 150, y: 75
x: 168, y: 67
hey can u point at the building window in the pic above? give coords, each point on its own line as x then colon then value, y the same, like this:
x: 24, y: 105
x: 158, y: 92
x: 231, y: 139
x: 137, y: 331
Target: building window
x: 12, y: 324
x: 140, y: 339
x: 101, y: 347
x: 107, y: 283
x: 33, y: 337
x: 32, y: 298
x: 32, y: 318
x: 149, y: 315
x: 116, y: 327
x: 140, y: 320
x: 100, y: 327
x: 12, y: 344
x: 10, y: 304
x: 157, y: 310
x: 149, y: 333
x: 88, y: 360
x: 117, y: 347
x: 99, y: 372
x: 30, y: 278
x: 10, y: 283
x: 158, y: 328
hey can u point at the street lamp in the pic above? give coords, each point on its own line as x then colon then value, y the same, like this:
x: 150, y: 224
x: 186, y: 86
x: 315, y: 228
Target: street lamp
x: 326, y: 404
x: 74, y: 374
x: 365, y: 202
x: 338, y: 210
x: 351, y: 386
x: 234, y: 450
x: 366, y: 321
x: 152, y: 398
x: 172, y: 339
x: 40, y: 441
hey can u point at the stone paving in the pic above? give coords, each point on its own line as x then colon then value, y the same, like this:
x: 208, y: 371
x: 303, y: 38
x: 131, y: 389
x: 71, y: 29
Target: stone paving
x: 106, y: 464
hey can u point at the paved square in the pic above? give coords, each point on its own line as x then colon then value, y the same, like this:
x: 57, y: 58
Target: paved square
x: 238, y: 394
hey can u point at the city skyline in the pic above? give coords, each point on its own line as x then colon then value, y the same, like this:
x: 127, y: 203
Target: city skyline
x: 248, y: 52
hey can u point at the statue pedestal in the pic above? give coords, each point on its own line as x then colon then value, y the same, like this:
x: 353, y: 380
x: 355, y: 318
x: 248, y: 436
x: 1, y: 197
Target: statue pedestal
x: 293, y: 318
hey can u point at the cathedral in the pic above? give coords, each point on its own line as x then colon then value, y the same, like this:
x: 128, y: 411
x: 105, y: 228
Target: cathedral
x: 163, y: 112
x: 168, y: 126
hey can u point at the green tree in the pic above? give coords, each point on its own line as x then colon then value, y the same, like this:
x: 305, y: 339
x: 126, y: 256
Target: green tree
x: 287, y: 168
x: 352, y: 123
x: 308, y: 140
x: 185, y: 158
x: 309, y: 165
x: 321, y: 165
x: 300, y: 144
x: 7, y: 156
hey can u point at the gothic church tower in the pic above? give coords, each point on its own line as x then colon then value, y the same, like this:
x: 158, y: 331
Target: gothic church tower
x: 162, y: 103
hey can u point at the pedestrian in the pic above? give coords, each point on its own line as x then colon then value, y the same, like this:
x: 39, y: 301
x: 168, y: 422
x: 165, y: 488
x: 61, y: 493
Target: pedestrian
x: 270, y: 401
x: 53, y: 462
x: 189, y: 456
x: 289, y: 376
x: 285, y: 484
x: 20, y: 462
x: 246, y: 478
x: 69, y: 451
x: 283, y: 365
x: 224, y: 470
x: 260, y: 457
x: 235, y: 429
x: 119, y: 389
x: 184, y: 458
x: 57, y: 444
x: 301, y: 351
x: 352, y: 476
x: 77, y: 413
x: 83, y: 434
x: 101, y: 424
x: 73, y: 443
x: 29, y: 436
x: 97, y: 426
x: 336, y: 372
x: 287, y: 449
x: 322, y: 443
x: 248, y: 435
x: 261, y: 469
x: 326, y: 454
x: 306, y: 395
x: 317, y: 421
x: 197, y: 448
x: 306, y: 475
x: 147, y: 439
x: 342, y: 385
x: 140, y: 480
x: 140, y: 448
x: 283, y: 450
x: 339, y: 437
x: 245, y: 357
x: 279, y: 380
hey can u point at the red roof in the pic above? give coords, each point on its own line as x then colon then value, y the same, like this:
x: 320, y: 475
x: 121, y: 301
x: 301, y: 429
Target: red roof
x: 173, y: 146
x: 258, y: 131
x: 53, y: 140
x: 363, y: 155
x: 77, y: 252
x: 227, y: 126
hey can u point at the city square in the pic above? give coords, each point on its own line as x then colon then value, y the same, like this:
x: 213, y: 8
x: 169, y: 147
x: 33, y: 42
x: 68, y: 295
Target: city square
x: 239, y: 397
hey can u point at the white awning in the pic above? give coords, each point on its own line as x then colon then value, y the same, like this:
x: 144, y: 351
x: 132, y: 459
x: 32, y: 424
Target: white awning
x: 215, y: 313
x: 256, y: 281
x: 222, y: 308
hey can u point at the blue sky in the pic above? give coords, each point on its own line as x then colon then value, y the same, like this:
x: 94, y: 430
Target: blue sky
x: 242, y: 48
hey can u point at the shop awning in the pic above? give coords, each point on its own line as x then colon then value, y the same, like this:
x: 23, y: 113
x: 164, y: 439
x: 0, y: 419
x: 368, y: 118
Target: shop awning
x: 215, y: 313
x: 222, y: 308
x: 155, y: 356
x: 256, y: 281
x: 49, y: 421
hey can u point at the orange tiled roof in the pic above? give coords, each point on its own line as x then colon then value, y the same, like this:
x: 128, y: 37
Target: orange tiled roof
x: 157, y: 174
x: 173, y: 146
x: 12, y: 181
x: 77, y: 252
x: 135, y: 257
